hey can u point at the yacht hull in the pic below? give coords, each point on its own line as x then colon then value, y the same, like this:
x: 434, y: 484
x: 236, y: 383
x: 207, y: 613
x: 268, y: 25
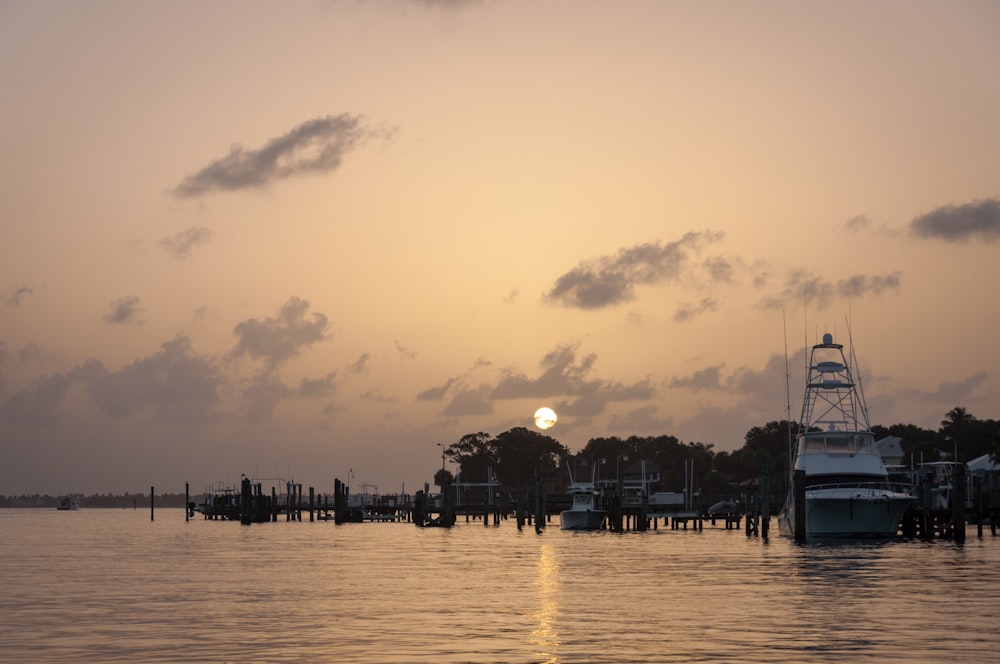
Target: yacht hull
x: 845, y: 513
x: 582, y: 519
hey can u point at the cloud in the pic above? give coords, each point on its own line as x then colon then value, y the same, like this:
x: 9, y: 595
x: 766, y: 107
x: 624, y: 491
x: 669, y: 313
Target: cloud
x: 277, y: 340
x: 38, y: 406
x: 404, y: 351
x: 564, y: 375
x: 360, y: 364
x: 436, y: 393
x: 688, y: 311
x: 262, y: 395
x: 858, y: 223
x: 958, y: 223
x: 958, y: 391
x: 316, y: 388
x: 179, y: 245
x: 709, y: 378
x: 124, y: 310
x: 17, y: 297
x: 801, y: 286
x: 642, y: 420
x: 611, y: 280
x: 470, y: 402
x: 315, y: 146
x: 173, y: 381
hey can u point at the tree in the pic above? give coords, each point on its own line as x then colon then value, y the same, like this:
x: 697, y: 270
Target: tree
x: 475, y: 454
x: 523, y: 455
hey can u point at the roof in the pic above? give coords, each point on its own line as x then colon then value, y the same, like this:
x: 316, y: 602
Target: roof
x: 984, y: 463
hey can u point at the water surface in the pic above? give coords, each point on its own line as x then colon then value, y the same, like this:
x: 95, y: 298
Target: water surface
x: 114, y: 586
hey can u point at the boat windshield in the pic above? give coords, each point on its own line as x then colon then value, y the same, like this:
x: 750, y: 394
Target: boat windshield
x: 838, y: 442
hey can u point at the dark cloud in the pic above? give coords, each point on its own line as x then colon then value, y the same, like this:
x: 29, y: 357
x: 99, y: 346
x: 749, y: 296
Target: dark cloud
x: 436, y: 393
x: 802, y: 286
x: 611, y: 280
x: 124, y: 310
x: 686, y: 312
x: 470, y: 402
x: 17, y: 297
x: 180, y: 245
x: 858, y: 223
x: 315, y: 146
x: 709, y: 378
x: 958, y: 391
x: 360, y: 364
x: 38, y: 406
x: 719, y: 269
x: 958, y: 223
x: 170, y: 382
x: 317, y: 388
x: 262, y: 395
x: 642, y: 420
x: 563, y: 374
x: 404, y: 351
x: 277, y: 340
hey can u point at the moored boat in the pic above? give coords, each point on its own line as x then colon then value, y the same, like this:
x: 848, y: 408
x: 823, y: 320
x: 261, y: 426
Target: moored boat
x: 68, y: 503
x: 848, y: 492
x: 583, y: 513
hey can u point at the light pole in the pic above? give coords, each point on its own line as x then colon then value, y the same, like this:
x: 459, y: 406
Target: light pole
x: 618, y: 470
x: 350, y: 474
x: 441, y: 445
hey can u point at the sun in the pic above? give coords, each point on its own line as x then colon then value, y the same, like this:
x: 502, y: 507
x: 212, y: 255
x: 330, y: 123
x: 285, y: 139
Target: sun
x: 545, y: 418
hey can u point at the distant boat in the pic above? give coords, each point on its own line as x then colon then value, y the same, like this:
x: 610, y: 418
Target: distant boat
x: 68, y: 503
x: 583, y: 513
x: 847, y: 488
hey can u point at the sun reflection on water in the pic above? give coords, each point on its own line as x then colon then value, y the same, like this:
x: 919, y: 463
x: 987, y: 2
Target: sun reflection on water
x: 545, y: 637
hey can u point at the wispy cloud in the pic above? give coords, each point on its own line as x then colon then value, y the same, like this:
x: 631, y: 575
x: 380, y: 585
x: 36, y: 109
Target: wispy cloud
x: 802, y: 286
x: 688, y: 311
x: 17, y: 297
x: 179, y: 245
x: 315, y: 146
x: 958, y: 223
x: 611, y: 280
x: 124, y: 310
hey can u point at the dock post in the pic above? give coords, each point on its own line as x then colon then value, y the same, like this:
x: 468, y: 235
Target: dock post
x: 152, y: 500
x: 958, y: 503
x: 539, y: 506
x: 312, y: 503
x: 799, y: 487
x: 187, y: 505
x: 765, y: 499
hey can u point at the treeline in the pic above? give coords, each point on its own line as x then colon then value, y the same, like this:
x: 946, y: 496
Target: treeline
x: 122, y: 501
x: 522, y: 455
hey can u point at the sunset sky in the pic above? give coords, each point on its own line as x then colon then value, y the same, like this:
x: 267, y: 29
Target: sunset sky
x: 293, y: 239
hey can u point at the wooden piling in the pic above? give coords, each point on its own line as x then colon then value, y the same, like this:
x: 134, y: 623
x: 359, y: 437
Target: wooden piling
x: 958, y: 503
x: 152, y: 501
x: 765, y: 499
x: 187, y: 502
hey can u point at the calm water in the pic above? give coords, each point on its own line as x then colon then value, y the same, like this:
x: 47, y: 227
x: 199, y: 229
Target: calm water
x: 112, y: 586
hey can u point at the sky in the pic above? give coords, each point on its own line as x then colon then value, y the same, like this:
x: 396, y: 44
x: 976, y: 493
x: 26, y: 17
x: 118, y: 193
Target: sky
x: 318, y: 239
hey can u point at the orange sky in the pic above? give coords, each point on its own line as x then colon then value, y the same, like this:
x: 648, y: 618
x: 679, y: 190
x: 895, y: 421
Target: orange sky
x: 292, y: 239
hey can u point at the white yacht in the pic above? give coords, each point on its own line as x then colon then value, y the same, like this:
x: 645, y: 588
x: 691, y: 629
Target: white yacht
x: 847, y: 489
x: 583, y: 513
x: 68, y: 503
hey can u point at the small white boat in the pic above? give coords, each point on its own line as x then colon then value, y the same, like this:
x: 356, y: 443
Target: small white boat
x: 68, y: 503
x: 848, y: 492
x: 583, y: 513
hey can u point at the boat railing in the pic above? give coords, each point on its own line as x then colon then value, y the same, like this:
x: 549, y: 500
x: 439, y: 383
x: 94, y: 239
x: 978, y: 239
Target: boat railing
x: 879, y: 485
